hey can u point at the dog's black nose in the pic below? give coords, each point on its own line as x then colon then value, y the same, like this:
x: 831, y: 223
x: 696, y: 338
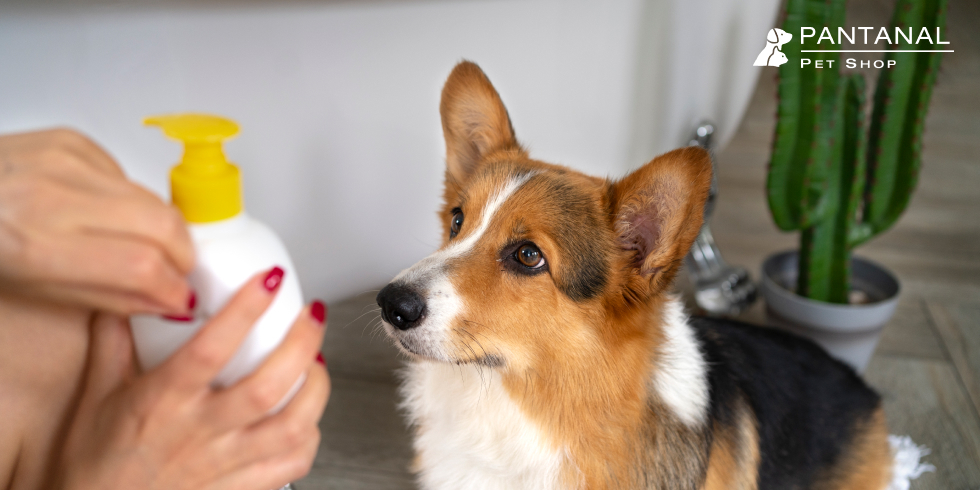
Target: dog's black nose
x: 400, y: 306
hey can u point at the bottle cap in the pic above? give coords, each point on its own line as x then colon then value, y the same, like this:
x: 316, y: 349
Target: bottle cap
x: 205, y: 186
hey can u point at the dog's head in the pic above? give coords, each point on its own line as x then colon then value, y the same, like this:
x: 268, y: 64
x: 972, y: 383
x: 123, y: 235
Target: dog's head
x: 538, y: 260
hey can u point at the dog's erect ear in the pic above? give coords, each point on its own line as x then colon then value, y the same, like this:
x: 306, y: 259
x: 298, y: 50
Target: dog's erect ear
x: 474, y: 120
x: 658, y: 210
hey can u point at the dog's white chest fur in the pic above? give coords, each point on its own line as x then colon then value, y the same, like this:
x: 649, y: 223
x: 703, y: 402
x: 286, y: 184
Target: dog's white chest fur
x: 471, y: 435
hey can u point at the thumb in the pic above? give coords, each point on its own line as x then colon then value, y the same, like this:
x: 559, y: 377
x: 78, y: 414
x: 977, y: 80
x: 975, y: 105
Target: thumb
x: 110, y: 362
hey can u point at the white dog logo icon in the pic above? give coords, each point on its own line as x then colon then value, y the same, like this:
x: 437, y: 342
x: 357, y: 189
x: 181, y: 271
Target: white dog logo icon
x: 773, y: 54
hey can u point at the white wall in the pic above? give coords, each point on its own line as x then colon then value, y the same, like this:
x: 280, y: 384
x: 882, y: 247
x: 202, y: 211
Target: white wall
x: 341, y: 145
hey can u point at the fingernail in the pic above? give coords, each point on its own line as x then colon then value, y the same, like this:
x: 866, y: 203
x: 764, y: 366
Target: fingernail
x: 273, y: 279
x: 318, y: 310
x: 320, y: 359
x: 191, y: 303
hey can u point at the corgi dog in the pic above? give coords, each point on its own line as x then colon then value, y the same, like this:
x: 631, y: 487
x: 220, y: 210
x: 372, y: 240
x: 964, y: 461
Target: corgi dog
x: 547, y: 352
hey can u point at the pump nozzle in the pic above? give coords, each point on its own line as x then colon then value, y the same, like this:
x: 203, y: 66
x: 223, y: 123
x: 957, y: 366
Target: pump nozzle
x: 205, y: 186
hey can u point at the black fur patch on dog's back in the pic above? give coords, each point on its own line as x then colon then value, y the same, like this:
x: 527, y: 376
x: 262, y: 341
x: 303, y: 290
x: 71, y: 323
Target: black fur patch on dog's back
x: 807, y: 404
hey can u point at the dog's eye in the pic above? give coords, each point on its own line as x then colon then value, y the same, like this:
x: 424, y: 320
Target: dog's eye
x: 456, y: 223
x: 529, y: 256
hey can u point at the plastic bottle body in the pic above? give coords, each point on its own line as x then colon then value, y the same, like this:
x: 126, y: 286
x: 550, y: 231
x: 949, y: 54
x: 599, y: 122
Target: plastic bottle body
x: 229, y: 252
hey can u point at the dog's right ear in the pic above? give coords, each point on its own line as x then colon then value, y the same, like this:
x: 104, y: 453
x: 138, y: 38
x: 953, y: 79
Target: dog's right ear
x: 658, y: 210
x: 474, y: 120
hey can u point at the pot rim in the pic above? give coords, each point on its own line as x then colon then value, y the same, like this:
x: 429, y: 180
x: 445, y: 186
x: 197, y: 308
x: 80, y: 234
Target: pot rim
x: 846, y: 317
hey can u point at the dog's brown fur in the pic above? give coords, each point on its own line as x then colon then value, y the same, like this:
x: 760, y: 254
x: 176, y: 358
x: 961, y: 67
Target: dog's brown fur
x: 595, y: 366
x: 582, y: 373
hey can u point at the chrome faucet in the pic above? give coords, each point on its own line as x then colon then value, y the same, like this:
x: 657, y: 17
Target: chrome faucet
x: 719, y: 288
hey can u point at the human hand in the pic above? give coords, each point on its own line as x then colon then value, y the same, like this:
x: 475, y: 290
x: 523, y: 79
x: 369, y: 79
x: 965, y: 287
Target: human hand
x: 74, y: 230
x: 168, y: 429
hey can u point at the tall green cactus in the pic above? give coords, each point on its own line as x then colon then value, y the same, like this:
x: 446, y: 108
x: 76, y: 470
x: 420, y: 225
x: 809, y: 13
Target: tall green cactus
x: 828, y: 177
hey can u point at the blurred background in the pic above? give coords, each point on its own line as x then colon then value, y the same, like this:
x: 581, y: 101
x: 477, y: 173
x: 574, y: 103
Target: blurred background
x: 341, y: 145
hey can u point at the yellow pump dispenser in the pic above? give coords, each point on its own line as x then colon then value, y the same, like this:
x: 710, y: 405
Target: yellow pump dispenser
x: 205, y: 186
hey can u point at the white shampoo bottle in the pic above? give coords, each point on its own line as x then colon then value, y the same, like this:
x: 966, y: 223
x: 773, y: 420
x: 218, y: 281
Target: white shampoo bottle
x: 230, y: 247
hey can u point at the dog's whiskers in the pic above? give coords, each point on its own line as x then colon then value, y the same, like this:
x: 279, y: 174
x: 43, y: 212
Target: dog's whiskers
x: 375, y: 310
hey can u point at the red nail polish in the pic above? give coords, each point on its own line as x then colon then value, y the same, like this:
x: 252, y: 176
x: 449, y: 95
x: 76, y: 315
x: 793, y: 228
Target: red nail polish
x: 191, y: 303
x: 318, y: 310
x: 273, y: 279
x: 320, y: 359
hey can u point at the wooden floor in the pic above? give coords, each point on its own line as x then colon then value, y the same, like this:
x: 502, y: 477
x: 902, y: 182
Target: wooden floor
x: 927, y: 365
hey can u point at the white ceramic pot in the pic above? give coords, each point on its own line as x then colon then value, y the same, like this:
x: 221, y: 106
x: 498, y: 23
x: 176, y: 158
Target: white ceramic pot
x: 849, y: 332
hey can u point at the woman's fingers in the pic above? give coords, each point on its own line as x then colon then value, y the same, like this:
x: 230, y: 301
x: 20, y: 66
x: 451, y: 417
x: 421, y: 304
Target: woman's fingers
x: 255, y: 395
x: 198, y: 361
x: 158, y: 429
x: 99, y: 298
x: 287, y: 430
x: 103, y: 262
x: 290, y: 428
x: 139, y: 215
x: 274, y: 472
x: 88, y: 150
x: 113, y: 206
x: 65, y: 141
x: 110, y: 362
x: 61, y: 198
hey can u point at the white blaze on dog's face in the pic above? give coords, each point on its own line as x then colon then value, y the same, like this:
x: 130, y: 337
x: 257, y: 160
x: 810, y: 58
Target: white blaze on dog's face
x: 535, y: 256
x: 521, y: 242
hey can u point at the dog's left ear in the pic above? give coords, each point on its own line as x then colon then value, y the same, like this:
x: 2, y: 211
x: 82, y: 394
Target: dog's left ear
x: 658, y: 210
